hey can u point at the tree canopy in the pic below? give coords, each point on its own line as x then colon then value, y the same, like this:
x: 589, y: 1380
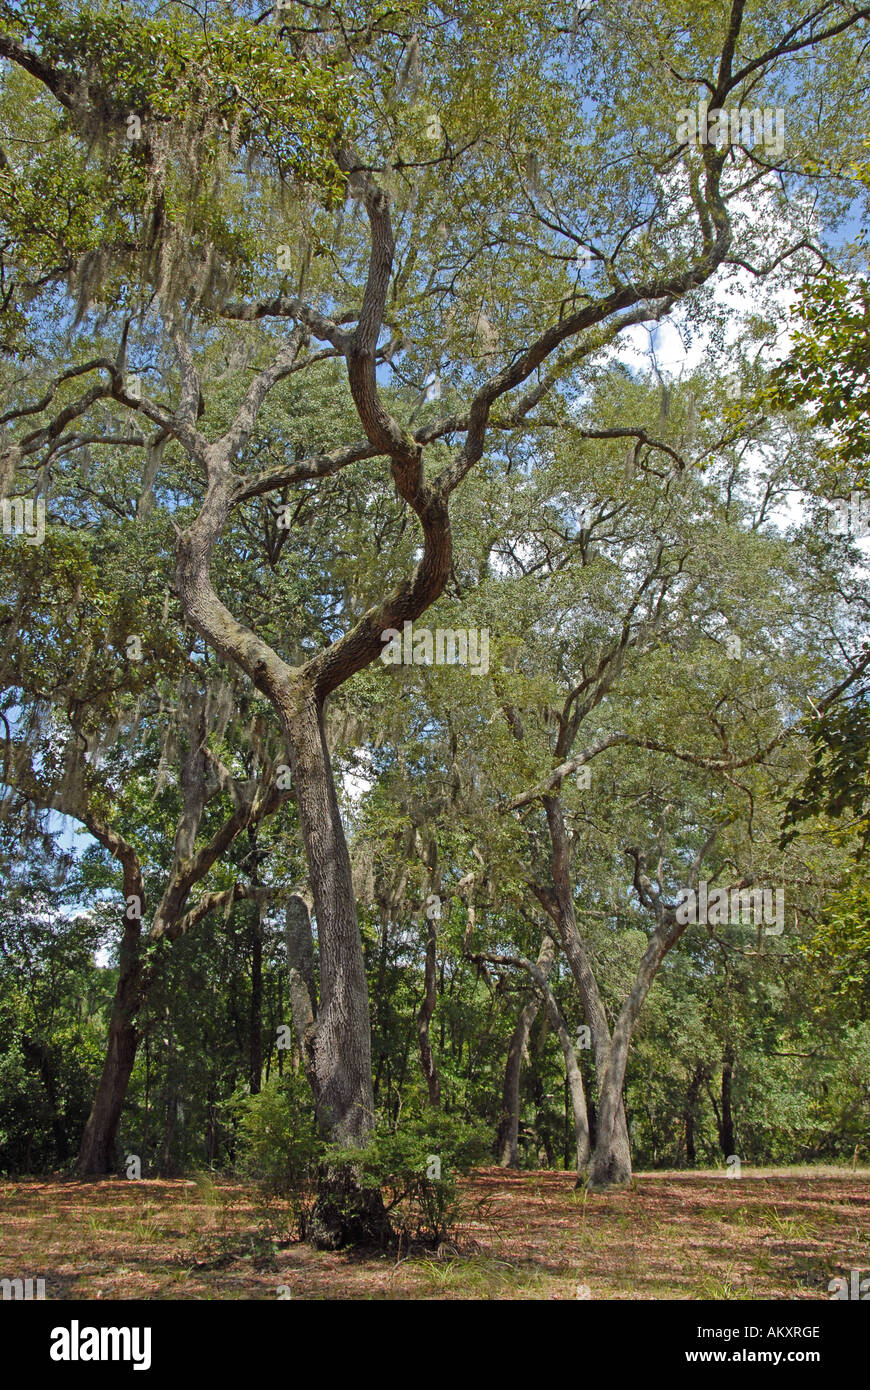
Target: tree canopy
x: 532, y: 343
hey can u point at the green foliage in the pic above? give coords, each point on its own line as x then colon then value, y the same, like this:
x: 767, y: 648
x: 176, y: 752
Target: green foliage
x: 828, y: 367
x: 176, y: 111
x: 415, y: 1165
x: 840, y: 950
x: 278, y: 1141
x: 836, y: 785
x: 51, y: 998
x: 614, y: 538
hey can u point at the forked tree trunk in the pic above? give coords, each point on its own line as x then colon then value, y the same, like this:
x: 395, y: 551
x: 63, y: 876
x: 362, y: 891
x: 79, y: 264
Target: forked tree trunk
x: 341, y: 1043
x: 341, y: 1048
x: 602, y: 1170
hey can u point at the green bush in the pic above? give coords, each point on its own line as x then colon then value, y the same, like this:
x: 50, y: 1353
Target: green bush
x: 278, y: 1142
x: 415, y: 1166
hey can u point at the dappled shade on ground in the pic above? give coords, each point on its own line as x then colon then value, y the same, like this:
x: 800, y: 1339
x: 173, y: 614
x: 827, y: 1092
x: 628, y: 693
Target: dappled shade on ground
x: 777, y: 1235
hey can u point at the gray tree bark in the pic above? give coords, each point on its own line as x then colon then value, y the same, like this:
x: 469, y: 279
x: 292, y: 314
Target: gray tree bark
x: 539, y: 971
x: 507, y: 1144
x: 342, y: 1065
x: 574, y: 1077
x: 611, y: 1164
x: 666, y: 934
x: 301, y: 983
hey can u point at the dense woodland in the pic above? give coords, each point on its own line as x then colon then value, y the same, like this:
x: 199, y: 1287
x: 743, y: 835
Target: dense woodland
x: 343, y: 324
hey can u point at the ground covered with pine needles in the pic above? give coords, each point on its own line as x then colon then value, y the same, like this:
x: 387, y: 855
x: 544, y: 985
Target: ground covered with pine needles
x: 770, y: 1234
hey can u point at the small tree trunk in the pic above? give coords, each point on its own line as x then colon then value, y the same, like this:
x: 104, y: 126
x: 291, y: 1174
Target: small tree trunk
x: 507, y: 1144
x: 692, y: 1094
x: 612, y: 1158
x: 689, y: 1124
x: 424, y: 1017
x: 256, y: 1029
x: 509, y: 1129
x: 380, y: 994
x: 97, y: 1149
x: 726, y: 1126
x: 281, y: 1019
x: 146, y: 1119
x: 574, y: 1082
x: 171, y: 1113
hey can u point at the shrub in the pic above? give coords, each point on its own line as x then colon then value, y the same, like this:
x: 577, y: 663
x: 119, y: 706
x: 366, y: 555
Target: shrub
x: 278, y: 1142
x: 416, y: 1167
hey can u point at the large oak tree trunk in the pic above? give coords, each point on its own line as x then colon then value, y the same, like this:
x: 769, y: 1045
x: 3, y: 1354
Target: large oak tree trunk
x: 341, y: 1047
x: 610, y: 1165
x: 604, y: 1170
x: 342, y: 1063
x: 97, y: 1150
x: 346, y: 1212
